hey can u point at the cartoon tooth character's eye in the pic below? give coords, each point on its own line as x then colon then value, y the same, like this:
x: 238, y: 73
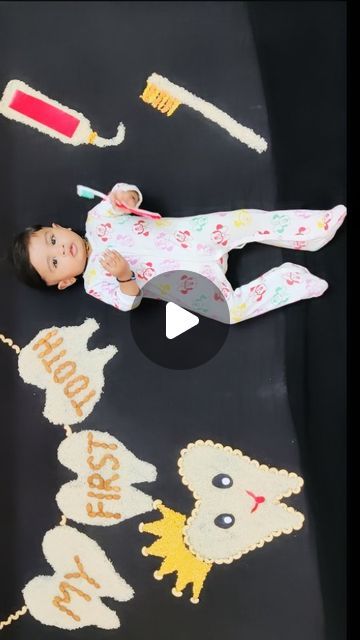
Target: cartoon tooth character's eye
x: 224, y: 520
x: 222, y: 481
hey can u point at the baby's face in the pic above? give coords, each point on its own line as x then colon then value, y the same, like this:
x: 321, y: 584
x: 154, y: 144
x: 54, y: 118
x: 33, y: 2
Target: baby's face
x: 58, y: 255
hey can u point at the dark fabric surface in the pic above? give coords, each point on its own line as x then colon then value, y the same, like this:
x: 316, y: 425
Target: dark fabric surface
x: 95, y: 57
x: 306, y: 99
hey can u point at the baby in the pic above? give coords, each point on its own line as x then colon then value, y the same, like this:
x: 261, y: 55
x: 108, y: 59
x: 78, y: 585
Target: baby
x: 120, y: 252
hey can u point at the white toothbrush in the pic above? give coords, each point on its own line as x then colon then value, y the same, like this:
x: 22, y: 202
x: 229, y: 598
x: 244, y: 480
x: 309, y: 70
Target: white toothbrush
x: 88, y: 192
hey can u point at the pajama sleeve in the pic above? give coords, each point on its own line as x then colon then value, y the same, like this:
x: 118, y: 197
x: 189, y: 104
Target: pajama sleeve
x: 110, y: 293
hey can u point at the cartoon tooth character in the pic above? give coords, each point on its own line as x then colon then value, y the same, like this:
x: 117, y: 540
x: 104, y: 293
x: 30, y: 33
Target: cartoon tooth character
x: 238, y: 508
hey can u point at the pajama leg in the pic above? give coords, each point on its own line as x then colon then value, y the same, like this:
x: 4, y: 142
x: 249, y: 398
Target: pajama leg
x: 275, y: 288
x: 215, y: 234
x: 299, y: 229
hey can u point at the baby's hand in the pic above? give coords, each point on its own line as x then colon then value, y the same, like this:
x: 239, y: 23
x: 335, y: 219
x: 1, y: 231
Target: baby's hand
x: 127, y: 198
x: 115, y: 264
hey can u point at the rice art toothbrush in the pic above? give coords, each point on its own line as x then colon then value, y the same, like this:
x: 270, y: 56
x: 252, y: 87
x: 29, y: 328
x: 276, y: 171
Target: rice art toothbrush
x: 167, y: 96
x: 23, y: 104
x: 87, y: 192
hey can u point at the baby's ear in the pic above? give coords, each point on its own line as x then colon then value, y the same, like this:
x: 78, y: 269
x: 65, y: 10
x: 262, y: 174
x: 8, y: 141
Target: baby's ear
x: 64, y: 284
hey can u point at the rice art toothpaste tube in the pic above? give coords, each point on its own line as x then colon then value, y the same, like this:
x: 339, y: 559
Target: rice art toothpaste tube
x: 24, y: 104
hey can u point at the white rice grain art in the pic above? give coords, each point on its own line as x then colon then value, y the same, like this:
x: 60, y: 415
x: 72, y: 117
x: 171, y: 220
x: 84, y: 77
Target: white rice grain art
x: 167, y: 96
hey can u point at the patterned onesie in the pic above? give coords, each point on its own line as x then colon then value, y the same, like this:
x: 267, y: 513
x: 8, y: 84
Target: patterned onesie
x: 200, y: 244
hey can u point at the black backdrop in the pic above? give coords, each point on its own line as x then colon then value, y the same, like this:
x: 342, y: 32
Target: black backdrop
x: 282, y: 67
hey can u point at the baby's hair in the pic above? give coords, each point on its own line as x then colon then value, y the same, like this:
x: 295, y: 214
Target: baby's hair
x: 19, y: 256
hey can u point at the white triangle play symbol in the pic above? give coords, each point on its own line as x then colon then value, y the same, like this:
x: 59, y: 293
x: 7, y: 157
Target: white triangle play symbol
x: 178, y: 320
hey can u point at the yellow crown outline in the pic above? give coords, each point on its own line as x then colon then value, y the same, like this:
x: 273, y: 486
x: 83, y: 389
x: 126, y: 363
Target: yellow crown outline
x: 178, y: 558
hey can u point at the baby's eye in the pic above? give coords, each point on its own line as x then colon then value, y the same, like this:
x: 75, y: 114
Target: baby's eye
x: 52, y: 239
x: 54, y: 263
x: 222, y: 481
x: 224, y: 520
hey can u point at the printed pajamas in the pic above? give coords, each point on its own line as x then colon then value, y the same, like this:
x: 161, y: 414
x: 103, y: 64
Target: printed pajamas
x: 200, y: 244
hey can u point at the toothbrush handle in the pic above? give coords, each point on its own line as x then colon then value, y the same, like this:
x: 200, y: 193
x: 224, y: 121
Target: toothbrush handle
x: 140, y: 212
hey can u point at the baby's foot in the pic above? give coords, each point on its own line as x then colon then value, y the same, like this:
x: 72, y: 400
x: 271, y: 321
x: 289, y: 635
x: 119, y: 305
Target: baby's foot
x: 297, y: 276
x: 327, y: 226
x: 333, y: 218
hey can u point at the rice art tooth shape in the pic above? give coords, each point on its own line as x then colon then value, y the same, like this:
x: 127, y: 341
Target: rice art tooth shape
x: 28, y: 106
x: 71, y: 597
x: 238, y: 502
x: 103, y: 493
x: 238, y: 508
x: 167, y: 97
x: 58, y: 360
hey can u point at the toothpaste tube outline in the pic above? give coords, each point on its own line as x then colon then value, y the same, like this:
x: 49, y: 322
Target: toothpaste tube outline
x: 28, y: 106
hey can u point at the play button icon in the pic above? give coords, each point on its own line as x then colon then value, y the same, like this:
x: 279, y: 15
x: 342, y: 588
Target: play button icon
x: 178, y: 320
x: 182, y: 321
